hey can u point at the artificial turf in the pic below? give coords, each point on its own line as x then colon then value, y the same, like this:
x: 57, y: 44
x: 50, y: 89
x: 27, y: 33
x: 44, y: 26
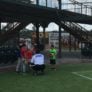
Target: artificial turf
x: 61, y: 80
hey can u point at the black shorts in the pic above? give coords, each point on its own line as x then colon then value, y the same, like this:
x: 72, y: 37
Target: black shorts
x: 38, y: 67
x: 52, y: 61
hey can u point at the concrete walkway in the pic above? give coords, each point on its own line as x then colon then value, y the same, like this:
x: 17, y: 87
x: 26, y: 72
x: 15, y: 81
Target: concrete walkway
x: 74, y: 60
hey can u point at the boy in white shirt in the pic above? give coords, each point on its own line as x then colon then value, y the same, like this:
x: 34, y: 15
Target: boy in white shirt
x: 37, y: 63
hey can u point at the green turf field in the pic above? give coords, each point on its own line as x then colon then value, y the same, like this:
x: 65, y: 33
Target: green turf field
x: 67, y: 78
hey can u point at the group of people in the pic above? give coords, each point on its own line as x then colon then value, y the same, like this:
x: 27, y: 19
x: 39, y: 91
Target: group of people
x: 32, y: 58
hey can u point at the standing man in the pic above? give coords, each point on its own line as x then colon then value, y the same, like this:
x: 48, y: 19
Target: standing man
x: 28, y: 56
x: 23, y: 57
x: 19, y: 62
x: 52, y: 55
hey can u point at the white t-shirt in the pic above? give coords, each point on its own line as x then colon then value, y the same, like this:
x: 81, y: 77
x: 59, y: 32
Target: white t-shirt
x: 38, y: 59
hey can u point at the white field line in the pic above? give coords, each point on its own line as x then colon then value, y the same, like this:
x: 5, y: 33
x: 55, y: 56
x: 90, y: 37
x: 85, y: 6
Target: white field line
x: 75, y: 73
x: 85, y: 71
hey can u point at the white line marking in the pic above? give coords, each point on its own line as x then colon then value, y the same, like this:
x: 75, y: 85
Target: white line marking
x: 82, y: 76
x: 84, y: 71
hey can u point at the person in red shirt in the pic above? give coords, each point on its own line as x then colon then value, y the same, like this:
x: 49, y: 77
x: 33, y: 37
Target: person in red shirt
x: 23, y: 50
x: 28, y: 55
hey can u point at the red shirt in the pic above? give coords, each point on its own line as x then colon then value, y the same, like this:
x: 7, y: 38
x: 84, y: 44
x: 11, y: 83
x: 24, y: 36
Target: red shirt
x: 28, y: 54
x: 23, y: 51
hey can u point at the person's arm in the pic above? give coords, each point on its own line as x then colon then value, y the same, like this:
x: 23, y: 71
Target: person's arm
x: 50, y: 54
x: 55, y: 52
x: 32, y: 60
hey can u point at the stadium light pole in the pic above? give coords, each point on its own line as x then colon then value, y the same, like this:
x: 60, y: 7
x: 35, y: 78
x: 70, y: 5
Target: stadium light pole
x: 0, y: 26
x: 37, y: 34
x: 46, y: 3
x: 91, y: 11
x: 60, y: 42
x: 81, y: 8
x: 60, y: 4
x: 37, y: 2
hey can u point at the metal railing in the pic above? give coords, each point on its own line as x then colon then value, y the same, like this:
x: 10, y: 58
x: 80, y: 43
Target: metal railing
x: 78, y: 8
x: 79, y: 30
x: 73, y: 5
x: 76, y: 27
x: 10, y: 26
